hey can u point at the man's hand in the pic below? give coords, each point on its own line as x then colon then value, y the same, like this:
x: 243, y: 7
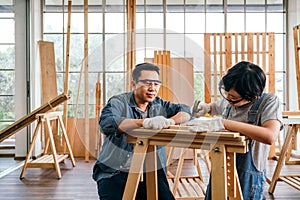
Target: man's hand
x: 158, y: 122
x: 200, y: 109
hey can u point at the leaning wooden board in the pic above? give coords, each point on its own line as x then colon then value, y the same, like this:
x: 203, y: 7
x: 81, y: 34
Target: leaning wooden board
x: 26, y: 120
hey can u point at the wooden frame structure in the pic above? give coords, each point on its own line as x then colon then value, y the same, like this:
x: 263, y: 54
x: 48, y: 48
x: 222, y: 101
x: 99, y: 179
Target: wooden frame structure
x: 222, y: 50
x: 285, y: 154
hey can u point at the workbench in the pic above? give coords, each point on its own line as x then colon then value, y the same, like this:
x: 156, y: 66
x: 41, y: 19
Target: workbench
x: 223, y: 145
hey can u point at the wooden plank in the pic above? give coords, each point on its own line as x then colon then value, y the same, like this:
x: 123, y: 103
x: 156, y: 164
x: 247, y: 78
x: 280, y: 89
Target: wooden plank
x: 86, y: 83
x: 296, y: 34
x: 48, y: 70
x: 207, y: 66
x: 26, y: 120
x: 271, y: 61
x: 66, y: 80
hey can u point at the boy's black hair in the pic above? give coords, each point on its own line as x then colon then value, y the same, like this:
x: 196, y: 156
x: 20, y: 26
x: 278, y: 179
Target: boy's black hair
x: 136, y: 73
x: 245, y: 78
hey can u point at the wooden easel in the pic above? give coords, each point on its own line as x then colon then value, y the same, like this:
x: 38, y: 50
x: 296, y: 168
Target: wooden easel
x: 48, y: 160
x: 293, y: 120
x: 284, y: 158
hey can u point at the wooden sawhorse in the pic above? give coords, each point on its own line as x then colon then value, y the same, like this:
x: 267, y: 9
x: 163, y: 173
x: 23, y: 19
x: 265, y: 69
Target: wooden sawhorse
x: 48, y: 160
x: 284, y: 158
x: 224, y: 145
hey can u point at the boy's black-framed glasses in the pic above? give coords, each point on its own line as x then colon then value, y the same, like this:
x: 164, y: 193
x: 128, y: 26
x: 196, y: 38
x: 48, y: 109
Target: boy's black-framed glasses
x: 223, y: 93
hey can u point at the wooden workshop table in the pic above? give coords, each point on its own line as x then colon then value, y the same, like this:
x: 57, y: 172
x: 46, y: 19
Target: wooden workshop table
x: 223, y: 145
x: 293, y: 123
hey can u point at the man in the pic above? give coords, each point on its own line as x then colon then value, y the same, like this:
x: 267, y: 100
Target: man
x: 139, y: 108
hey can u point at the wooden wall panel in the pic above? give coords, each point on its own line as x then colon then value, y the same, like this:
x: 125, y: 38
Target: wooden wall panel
x: 222, y: 50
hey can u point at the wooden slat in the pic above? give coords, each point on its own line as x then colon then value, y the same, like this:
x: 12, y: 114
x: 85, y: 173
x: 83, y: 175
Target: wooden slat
x: 66, y: 79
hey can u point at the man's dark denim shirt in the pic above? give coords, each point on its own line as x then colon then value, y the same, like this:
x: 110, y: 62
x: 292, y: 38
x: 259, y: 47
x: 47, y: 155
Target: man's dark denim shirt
x: 116, y: 153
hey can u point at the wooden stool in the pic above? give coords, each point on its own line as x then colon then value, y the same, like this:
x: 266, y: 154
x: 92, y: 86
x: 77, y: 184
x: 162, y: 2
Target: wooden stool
x: 48, y: 160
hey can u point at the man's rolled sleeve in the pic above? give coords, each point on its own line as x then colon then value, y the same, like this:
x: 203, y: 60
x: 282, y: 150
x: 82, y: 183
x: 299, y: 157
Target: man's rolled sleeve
x: 111, y: 117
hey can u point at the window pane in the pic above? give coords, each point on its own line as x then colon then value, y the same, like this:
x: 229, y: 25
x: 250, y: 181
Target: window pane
x: 155, y: 21
x: 275, y: 22
x: 140, y: 21
x: 114, y: 23
x: 7, y: 82
x: 214, y: 23
x: 194, y: 22
x: 175, y: 43
x: 95, y: 22
x: 174, y: 6
x: 114, y: 53
x: 7, y: 36
x: 77, y: 23
x: 76, y: 52
x: 113, y: 6
x: 235, y: 22
x: 7, y: 108
x: 215, y: 6
x: 194, y: 6
x: 275, y: 5
x: 255, y: 22
x: 7, y: 56
x: 115, y: 84
x: 175, y: 22
x: 235, y: 5
x: 279, y: 52
x: 194, y: 44
x: 154, y: 6
x: 154, y: 42
x: 53, y: 22
x: 255, y: 5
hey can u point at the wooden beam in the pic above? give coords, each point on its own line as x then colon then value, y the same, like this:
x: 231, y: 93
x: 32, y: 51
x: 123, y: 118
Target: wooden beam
x: 66, y: 83
x: 26, y: 120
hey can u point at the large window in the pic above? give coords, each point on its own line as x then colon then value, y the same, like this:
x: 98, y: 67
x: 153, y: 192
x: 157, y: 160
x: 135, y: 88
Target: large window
x: 7, y: 63
x: 176, y: 25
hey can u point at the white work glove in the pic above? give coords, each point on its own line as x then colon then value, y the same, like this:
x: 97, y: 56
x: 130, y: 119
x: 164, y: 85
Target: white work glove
x: 200, y: 109
x: 205, y: 124
x: 158, y: 122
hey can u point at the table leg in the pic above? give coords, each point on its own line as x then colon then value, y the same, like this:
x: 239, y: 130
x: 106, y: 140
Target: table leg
x: 151, y: 173
x: 218, y: 173
x: 136, y: 169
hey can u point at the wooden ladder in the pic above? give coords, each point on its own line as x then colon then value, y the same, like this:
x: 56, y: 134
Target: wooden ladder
x: 53, y: 159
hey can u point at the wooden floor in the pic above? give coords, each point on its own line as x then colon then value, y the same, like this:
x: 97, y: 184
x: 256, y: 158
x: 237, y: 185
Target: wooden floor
x: 76, y: 183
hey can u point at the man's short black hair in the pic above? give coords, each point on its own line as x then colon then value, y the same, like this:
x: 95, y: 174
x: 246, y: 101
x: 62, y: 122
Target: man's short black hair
x: 136, y: 73
x: 245, y: 78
